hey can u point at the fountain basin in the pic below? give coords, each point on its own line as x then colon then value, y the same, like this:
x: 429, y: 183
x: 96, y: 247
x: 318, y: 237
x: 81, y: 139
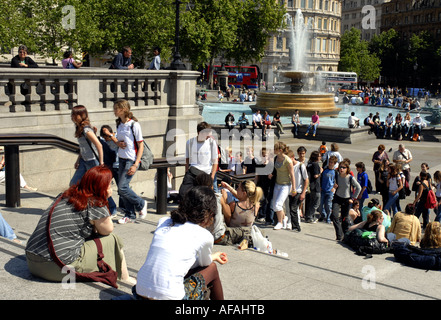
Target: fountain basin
x: 306, y: 103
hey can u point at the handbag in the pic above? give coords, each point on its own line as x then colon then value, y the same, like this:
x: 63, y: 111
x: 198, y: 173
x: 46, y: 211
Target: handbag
x: 105, y: 275
x: 147, y: 154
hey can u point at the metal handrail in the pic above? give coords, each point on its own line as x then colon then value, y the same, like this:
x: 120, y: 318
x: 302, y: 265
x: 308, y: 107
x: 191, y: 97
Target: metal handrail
x: 13, y: 141
x: 23, y: 139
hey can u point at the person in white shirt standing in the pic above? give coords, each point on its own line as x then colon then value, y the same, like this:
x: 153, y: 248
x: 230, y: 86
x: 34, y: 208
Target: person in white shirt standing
x: 201, y: 155
x: 403, y: 157
x: 130, y: 148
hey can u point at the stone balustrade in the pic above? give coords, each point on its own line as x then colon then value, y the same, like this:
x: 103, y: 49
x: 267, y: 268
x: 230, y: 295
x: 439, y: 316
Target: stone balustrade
x: 47, y: 89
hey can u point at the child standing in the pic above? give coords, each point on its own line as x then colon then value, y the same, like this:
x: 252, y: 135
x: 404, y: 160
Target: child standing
x: 323, y: 149
x: 91, y: 150
x: 327, y: 190
x: 130, y: 144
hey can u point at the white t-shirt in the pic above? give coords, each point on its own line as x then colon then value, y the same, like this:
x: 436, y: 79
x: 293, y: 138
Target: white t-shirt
x: 406, y: 155
x: 300, y: 174
x: 124, y: 133
x: 201, y: 155
x: 352, y: 120
x: 389, y: 120
x: 173, y: 252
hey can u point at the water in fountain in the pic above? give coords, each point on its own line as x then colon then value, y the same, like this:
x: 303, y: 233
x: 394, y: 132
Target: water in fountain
x: 301, y: 91
x: 299, y: 36
x: 299, y: 39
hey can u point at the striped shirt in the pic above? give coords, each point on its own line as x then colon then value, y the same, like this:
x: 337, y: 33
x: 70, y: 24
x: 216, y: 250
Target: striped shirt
x: 69, y: 230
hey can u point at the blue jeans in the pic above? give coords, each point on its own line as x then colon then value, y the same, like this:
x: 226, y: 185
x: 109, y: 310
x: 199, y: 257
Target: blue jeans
x: 314, y: 126
x: 6, y: 230
x: 326, y: 205
x: 129, y: 198
x: 392, y: 203
x: 83, y: 166
x: 438, y: 211
x: 295, y: 129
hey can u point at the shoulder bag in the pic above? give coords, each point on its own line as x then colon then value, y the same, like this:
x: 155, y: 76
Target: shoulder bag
x: 105, y: 275
x: 147, y: 154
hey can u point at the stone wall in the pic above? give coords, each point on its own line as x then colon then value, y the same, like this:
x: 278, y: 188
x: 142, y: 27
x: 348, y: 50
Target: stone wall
x: 40, y: 101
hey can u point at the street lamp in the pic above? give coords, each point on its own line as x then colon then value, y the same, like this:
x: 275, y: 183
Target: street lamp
x: 177, y: 64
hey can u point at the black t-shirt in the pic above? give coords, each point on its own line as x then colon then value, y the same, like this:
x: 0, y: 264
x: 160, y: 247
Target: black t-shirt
x: 313, y: 169
x: 250, y: 165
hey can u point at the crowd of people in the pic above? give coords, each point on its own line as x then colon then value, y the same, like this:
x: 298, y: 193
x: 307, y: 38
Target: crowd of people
x: 287, y: 187
x: 398, y: 127
x: 389, y: 96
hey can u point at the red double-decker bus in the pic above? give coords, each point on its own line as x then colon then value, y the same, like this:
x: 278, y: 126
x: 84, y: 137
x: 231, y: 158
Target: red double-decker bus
x: 238, y: 76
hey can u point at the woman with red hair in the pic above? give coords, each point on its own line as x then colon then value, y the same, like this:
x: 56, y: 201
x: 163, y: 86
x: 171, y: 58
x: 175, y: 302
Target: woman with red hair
x: 80, y: 214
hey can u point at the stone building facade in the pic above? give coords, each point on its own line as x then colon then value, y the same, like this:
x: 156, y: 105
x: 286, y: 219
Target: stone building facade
x: 364, y: 15
x: 324, y: 46
x: 412, y: 16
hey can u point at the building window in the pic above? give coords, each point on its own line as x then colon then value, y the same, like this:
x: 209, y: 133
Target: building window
x: 279, y: 43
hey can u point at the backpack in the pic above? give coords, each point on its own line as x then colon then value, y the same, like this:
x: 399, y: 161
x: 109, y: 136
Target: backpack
x: 431, y: 202
x: 109, y: 155
x: 369, y: 186
x: 415, y: 137
x: 147, y: 154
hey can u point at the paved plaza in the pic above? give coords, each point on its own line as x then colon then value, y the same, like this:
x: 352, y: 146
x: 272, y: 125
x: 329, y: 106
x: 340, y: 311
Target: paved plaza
x: 317, y: 268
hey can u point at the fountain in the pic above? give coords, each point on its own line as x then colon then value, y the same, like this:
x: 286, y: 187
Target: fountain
x: 294, y: 96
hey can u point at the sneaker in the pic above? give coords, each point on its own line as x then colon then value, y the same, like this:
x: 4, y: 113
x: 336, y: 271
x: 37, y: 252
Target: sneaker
x: 143, y: 213
x: 124, y: 220
x: 278, y: 226
x: 288, y: 226
x: 285, y: 221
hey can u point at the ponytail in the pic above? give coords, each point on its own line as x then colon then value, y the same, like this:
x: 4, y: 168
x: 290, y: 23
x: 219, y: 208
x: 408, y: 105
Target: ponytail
x: 254, y: 193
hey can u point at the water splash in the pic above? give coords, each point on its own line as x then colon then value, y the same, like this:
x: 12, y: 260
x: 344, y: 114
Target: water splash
x: 299, y: 35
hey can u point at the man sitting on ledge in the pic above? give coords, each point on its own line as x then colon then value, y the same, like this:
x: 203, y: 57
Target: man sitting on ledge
x: 353, y: 121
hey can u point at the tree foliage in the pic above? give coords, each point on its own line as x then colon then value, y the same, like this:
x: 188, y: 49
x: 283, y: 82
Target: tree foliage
x: 355, y: 56
x: 236, y: 30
